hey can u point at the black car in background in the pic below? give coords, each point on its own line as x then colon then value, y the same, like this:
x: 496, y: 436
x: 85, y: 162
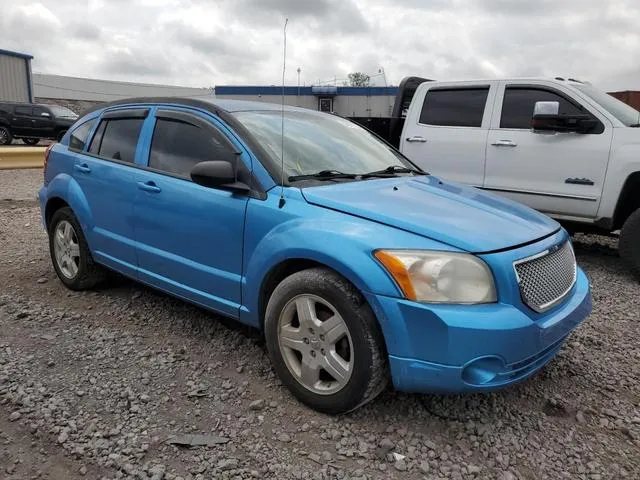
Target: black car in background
x: 32, y: 122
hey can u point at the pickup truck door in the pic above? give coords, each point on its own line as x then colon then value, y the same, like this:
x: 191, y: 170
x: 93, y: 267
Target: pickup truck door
x: 561, y: 174
x: 446, y: 130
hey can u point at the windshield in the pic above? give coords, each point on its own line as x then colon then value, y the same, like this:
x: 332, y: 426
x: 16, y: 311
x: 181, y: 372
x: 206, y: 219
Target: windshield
x: 62, y: 112
x: 623, y: 112
x: 319, y: 142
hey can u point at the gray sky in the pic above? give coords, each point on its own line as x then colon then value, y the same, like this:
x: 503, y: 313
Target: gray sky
x: 208, y: 42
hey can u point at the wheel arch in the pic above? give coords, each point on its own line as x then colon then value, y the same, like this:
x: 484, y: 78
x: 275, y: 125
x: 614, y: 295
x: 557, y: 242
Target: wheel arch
x: 629, y: 200
x: 53, y: 205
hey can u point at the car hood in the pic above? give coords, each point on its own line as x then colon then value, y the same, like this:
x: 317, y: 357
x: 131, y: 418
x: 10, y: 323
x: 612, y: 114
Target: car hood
x: 461, y: 216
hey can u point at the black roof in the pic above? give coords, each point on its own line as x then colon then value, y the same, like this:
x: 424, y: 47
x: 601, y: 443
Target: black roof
x: 211, y: 104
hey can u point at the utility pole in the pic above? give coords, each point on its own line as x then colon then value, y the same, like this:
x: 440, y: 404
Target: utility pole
x: 298, y: 99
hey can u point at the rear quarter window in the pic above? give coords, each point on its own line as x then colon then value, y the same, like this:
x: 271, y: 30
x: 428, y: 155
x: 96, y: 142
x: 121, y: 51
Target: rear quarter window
x: 80, y: 135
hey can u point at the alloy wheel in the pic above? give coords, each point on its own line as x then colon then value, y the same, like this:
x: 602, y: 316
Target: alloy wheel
x: 66, y: 249
x: 316, y: 344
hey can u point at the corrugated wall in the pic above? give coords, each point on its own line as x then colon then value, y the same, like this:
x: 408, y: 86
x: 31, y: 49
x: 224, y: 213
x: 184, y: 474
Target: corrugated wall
x: 14, y: 85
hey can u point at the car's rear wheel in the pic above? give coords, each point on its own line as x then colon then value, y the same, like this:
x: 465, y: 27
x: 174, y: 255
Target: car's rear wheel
x: 70, y: 253
x: 324, y: 341
x: 629, y: 244
x: 31, y: 141
x: 5, y: 136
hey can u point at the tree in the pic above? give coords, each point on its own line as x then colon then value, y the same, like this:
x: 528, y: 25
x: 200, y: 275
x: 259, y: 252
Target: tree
x: 359, y: 79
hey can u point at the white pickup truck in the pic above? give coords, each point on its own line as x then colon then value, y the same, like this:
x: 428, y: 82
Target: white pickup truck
x: 576, y: 159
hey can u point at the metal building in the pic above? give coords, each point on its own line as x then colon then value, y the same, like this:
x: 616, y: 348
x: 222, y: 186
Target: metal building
x: 15, y: 76
x: 346, y: 101
x: 79, y: 93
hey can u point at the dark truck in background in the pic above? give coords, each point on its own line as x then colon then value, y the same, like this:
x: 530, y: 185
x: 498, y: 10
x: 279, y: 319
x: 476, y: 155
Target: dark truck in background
x: 32, y: 122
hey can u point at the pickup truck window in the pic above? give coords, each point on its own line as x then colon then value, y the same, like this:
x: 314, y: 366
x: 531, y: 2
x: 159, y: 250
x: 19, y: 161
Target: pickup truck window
x: 454, y: 107
x: 23, y: 111
x: 625, y: 113
x: 518, y: 103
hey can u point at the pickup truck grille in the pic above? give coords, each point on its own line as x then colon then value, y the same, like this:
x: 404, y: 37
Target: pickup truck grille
x: 546, y: 278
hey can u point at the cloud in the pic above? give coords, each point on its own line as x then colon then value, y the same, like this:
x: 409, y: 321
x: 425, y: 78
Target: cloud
x: 203, y: 43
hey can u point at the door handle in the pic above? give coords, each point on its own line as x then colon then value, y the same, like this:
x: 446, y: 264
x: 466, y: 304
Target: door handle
x: 84, y: 168
x: 416, y: 138
x: 504, y: 143
x: 149, y: 186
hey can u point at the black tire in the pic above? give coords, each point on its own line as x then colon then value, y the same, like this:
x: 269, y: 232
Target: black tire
x: 60, y: 135
x: 31, y: 141
x: 5, y: 136
x: 89, y: 273
x: 370, y: 372
x: 629, y: 244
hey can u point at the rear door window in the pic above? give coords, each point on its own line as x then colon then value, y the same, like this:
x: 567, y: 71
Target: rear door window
x: 454, y: 107
x: 178, y: 144
x: 23, y: 111
x: 117, y: 139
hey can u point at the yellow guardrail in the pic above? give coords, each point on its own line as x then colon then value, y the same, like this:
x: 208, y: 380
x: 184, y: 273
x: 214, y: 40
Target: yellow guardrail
x: 21, y: 157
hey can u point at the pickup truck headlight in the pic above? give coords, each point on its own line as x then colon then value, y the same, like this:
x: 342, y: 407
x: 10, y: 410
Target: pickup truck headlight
x: 439, y: 277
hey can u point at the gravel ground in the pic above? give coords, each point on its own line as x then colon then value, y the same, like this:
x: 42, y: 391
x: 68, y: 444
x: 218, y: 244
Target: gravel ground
x: 20, y: 184
x: 100, y: 385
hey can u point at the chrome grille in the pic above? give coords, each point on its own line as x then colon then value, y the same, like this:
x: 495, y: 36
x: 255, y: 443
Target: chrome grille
x: 545, y: 279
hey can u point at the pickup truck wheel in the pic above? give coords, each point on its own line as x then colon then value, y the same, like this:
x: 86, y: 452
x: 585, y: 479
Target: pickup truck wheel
x: 31, y: 141
x: 60, y: 135
x: 5, y: 136
x: 70, y: 253
x: 629, y: 244
x: 324, y: 342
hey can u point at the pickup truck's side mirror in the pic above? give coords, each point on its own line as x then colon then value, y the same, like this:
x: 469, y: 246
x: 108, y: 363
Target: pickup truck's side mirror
x: 45, y: 114
x: 547, y: 119
x: 217, y: 174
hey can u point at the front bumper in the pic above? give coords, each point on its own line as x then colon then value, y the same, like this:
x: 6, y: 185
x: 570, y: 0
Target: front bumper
x: 467, y: 348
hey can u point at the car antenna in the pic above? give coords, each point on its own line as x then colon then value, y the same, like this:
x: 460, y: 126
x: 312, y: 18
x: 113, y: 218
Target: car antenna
x: 284, y: 66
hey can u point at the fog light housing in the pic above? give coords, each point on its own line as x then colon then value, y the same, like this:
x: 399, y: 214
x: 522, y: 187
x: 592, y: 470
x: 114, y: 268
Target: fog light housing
x: 482, y: 371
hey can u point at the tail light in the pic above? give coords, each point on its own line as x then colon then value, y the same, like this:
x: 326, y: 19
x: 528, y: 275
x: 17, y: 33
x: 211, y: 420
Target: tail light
x: 46, y: 158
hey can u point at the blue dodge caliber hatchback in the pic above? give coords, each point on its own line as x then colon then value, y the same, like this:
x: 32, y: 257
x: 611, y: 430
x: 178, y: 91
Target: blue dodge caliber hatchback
x: 358, y: 266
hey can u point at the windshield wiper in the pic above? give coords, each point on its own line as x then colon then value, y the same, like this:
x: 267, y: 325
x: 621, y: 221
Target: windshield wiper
x: 391, y: 171
x: 322, y: 175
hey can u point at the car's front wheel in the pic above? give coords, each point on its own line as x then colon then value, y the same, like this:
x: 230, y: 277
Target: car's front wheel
x: 5, y: 136
x: 629, y: 244
x: 324, y: 341
x: 70, y: 253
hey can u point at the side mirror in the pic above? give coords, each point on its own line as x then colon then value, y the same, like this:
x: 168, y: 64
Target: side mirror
x: 45, y: 114
x: 547, y: 119
x: 217, y: 174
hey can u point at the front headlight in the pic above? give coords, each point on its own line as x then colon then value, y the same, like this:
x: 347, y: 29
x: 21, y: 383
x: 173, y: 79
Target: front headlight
x: 439, y: 277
